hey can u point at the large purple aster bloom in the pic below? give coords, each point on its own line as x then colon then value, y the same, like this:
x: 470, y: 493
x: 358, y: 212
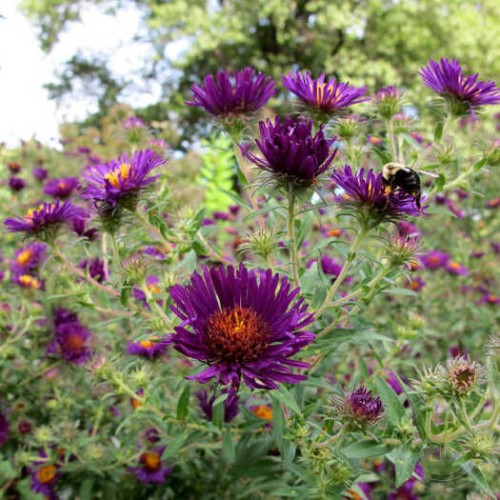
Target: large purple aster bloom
x: 120, y: 181
x: 48, y: 216
x: 368, y: 192
x: 327, y: 96
x: 291, y: 152
x: 151, y: 469
x: 464, y: 93
x: 226, y: 95
x: 242, y: 324
x: 61, y: 188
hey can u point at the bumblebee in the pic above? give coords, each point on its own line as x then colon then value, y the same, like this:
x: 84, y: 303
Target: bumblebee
x: 397, y: 176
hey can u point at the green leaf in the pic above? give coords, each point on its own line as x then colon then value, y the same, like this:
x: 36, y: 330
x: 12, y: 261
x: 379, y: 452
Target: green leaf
x: 404, y: 460
x: 228, y: 450
x: 6, y: 470
x: 393, y: 406
x: 365, y: 449
x: 283, y: 395
x: 183, y: 403
x: 475, y: 473
x: 86, y: 489
x: 479, y: 164
x: 438, y: 132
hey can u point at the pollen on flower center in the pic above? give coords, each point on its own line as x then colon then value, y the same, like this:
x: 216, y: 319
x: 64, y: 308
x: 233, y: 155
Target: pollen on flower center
x: 122, y: 172
x: 150, y: 460
x: 74, y: 342
x: 29, y: 281
x: 147, y: 344
x: 24, y: 257
x: 46, y: 473
x: 31, y: 212
x: 237, y: 335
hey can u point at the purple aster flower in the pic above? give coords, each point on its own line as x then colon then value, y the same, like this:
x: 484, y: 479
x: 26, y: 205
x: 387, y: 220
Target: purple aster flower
x: 406, y: 490
x: 44, y: 476
x: 369, y: 193
x: 40, y: 174
x: 243, y: 325
x: 228, y: 95
x: 291, y: 152
x: 28, y: 258
x: 456, y: 268
x: 4, y: 429
x: 79, y: 226
x: 96, y: 269
x: 133, y: 122
x: 489, y: 298
x: 408, y: 230
x: 71, y: 342
x: 393, y: 381
x: 61, y: 188
x: 435, y: 259
x: 362, y: 408
x: 28, y: 281
x: 415, y: 284
x: 120, y: 181
x: 47, y: 217
x: 151, y: 469
x: 17, y: 184
x: 152, y: 347
x: 62, y: 315
x: 329, y: 97
x: 330, y: 266
x: 24, y: 427
x: 464, y: 93
x: 231, y: 404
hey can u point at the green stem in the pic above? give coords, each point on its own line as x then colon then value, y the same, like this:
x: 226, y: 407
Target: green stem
x: 392, y: 139
x: 292, y: 244
x: 345, y: 268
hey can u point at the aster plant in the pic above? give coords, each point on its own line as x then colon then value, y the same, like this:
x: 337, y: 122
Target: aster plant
x: 464, y: 94
x: 244, y: 325
x: 325, y: 98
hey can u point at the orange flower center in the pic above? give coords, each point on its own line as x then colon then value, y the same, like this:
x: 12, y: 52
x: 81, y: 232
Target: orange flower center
x: 122, y: 172
x: 265, y: 412
x: 46, y: 473
x: 147, y: 344
x: 24, y: 257
x: 237, y: 335
x: 73, y: 342
x: 414, y: 285
x: 454, y: 265
x: 334, y: 233
x: 154, y: 288
x: 150, y: 460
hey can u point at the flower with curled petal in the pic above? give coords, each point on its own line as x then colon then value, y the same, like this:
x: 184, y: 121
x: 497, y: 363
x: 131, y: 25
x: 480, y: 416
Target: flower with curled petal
x: 227, y: 95
x: 464, y: 93
x: 243, y: 324
x: 329, y: 97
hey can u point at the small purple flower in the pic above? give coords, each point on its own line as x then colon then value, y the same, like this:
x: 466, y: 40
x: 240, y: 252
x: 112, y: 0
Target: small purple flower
x: 120, y: 181
x: 244, y: 325
x: 44, y: 476
x: 415, y: 284
x: 62, y: 315
x: 17, y: 184
x: 362, y: 407
x: 227, y: 95
x: 231, y: 404
x: 153, y: 347
x: 151, y: 469
x: 61, y: 188
x: 48, y: 216
x: 408, y: 230
x: 393, y: 381
x: 330, y: 266
x: 406, y: 490
x: 464, y: 93
x: 71, y: 342
x: 456, y: 268
x: 326, y: 96
x: 27, y: 281
x: 96, y: 269
x: 291, y: 152
x: 4, y: 429
x: 28, y: 258
x: 133, y: 122
x: 369, y: 193
x: 489, y: 298
x: 435, y: 259
x: 40, y: 174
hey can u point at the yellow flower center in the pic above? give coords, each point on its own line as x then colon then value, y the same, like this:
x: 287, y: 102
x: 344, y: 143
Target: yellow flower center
x: 265, y: 412
x: 122, y: 172
x: 147, y: 344
x: 46, y: 473
x: 24, y: 257
x: 29, y: 281
x: 454, y: 265
x: 31, y: 213
x: 153, y: 288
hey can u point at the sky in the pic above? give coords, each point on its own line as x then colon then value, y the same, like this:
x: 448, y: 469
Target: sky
x: 25, y: 109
